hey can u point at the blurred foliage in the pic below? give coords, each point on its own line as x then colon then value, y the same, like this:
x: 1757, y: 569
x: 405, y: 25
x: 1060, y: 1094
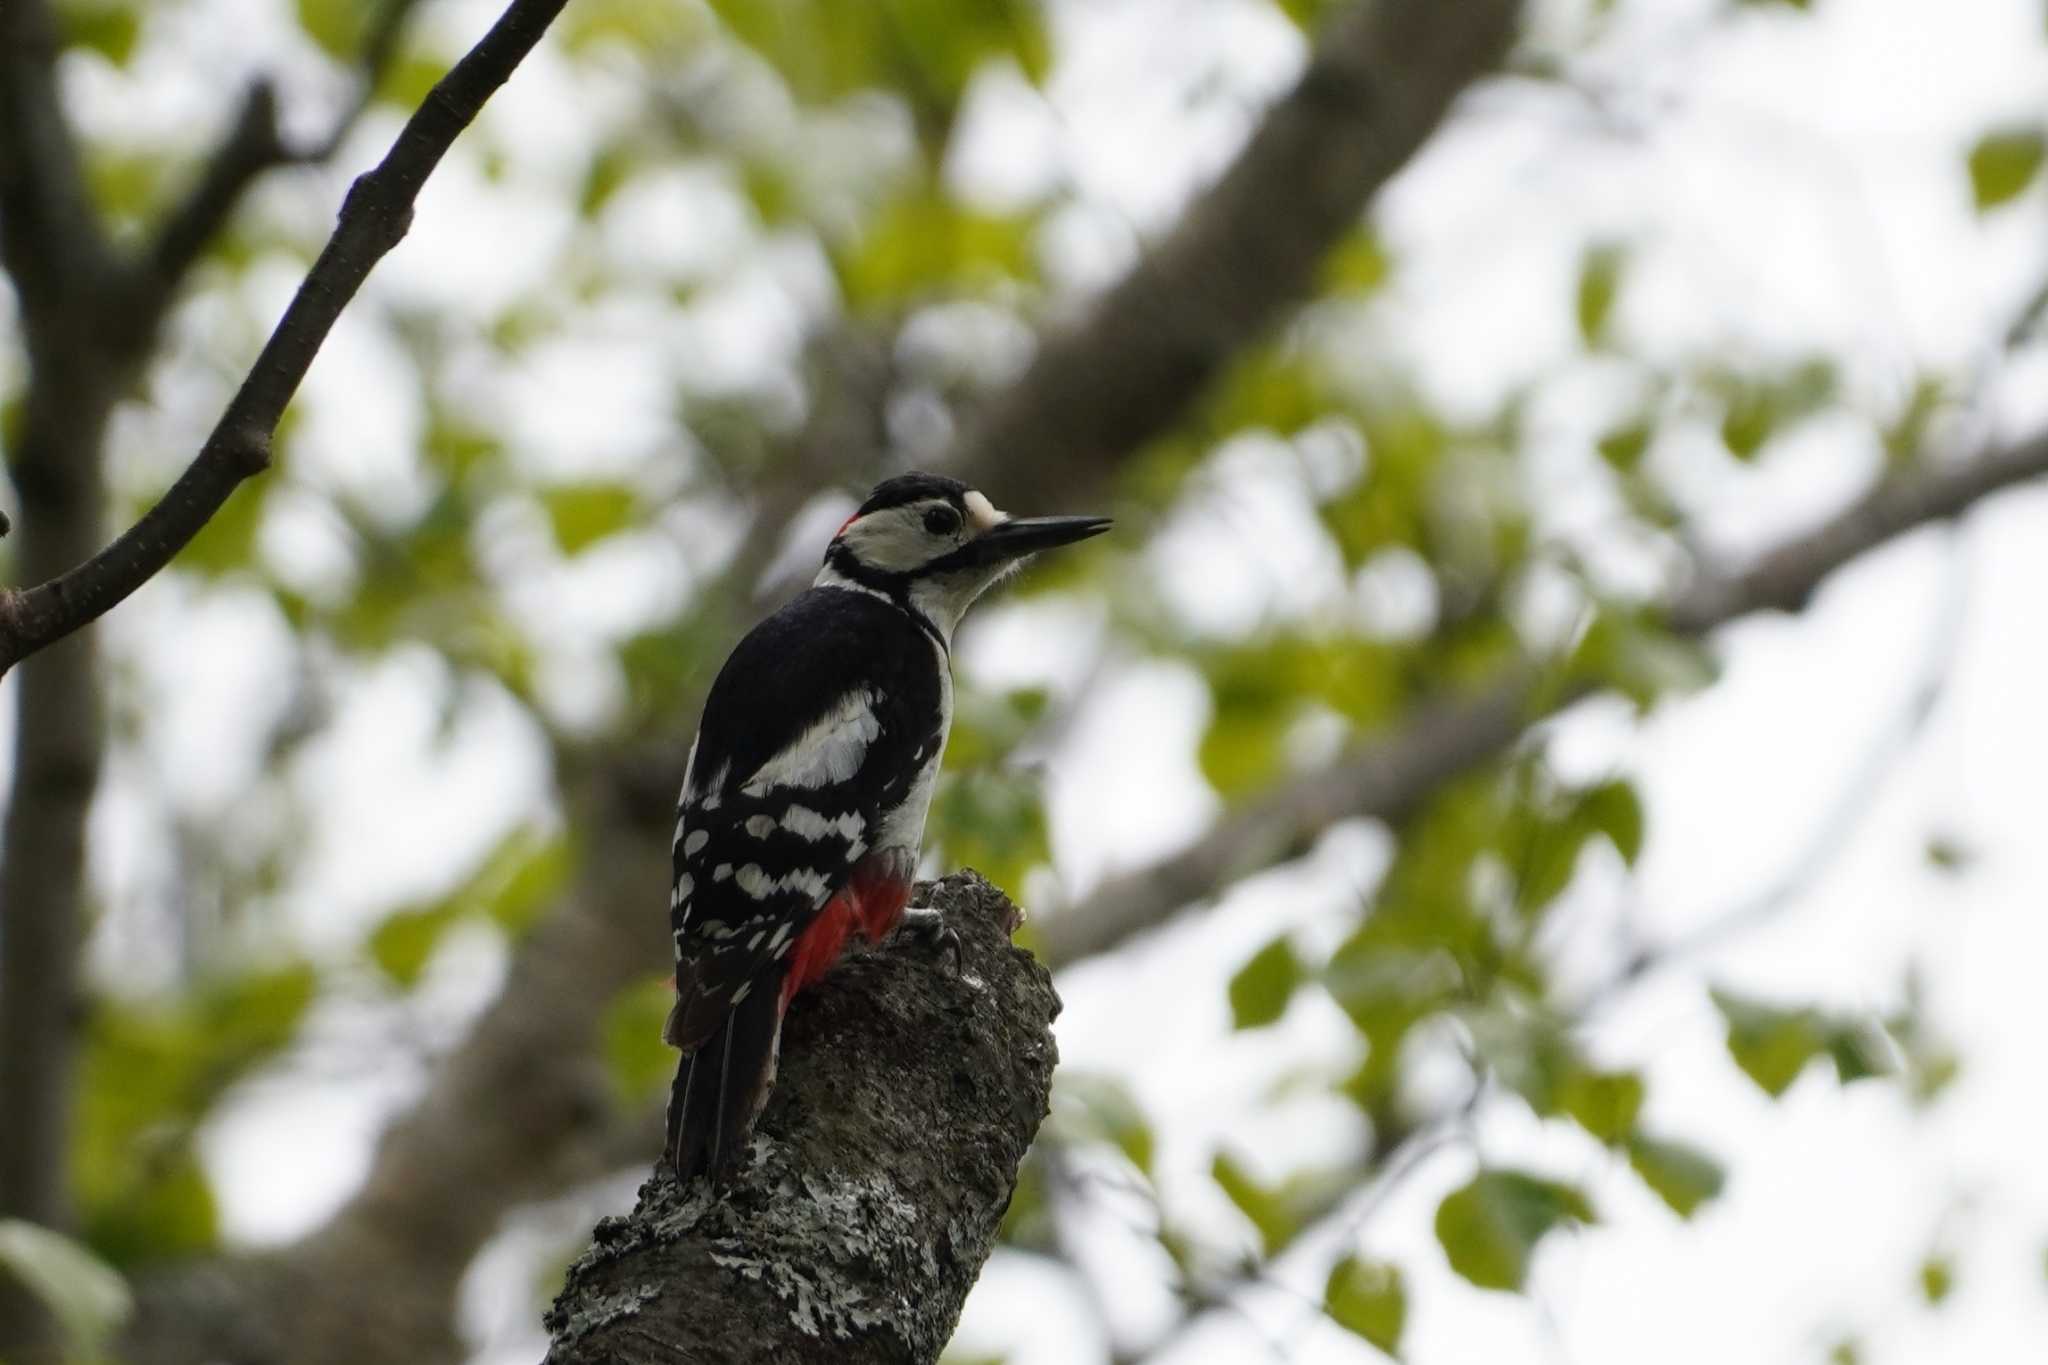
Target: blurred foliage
x: 831, y: 135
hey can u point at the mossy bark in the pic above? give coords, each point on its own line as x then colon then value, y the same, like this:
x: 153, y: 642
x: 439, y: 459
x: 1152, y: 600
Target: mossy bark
x: 878, y: 1174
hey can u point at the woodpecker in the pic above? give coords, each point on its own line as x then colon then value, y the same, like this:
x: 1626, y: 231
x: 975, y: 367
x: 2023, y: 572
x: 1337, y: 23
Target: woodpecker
x: 804, y: 795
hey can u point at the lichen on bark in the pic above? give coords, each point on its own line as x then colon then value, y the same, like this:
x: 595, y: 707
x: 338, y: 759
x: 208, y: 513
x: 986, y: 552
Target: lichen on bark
x: 878, y: 1174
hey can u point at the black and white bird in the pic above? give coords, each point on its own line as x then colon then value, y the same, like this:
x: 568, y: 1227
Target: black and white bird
x: 804, y: 799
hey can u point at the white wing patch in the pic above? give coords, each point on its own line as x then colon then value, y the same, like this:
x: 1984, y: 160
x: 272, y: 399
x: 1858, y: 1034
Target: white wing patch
x: 829, y: 751
x: 694, y: 844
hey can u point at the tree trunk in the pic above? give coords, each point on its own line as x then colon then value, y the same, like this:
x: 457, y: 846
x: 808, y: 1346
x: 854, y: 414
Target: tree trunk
x: 880, y: 1170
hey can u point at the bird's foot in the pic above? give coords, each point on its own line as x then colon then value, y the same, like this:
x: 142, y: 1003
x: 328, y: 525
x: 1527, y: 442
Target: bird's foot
x: 929, y: 923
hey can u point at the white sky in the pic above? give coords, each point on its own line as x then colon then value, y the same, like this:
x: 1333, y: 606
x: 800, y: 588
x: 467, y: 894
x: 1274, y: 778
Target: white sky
x: 1792, y: 183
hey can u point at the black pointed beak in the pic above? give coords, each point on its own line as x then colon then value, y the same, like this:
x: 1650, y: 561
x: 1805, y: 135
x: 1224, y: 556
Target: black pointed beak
x: 1022, y: 536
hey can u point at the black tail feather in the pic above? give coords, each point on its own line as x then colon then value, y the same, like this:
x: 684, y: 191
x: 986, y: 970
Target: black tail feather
x: 721, y: 1086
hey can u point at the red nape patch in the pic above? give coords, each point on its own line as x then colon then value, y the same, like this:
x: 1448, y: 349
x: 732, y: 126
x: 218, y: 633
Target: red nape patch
x: 871, y: 903
x: 844, y: 524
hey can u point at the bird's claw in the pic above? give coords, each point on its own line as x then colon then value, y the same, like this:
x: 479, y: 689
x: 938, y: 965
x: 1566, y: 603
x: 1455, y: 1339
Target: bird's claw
x: 929, y: 924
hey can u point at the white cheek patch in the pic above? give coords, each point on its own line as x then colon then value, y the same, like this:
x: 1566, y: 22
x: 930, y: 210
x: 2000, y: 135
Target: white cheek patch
x: 830, y: 751
x: 893, y: 539
x: 983, y: 513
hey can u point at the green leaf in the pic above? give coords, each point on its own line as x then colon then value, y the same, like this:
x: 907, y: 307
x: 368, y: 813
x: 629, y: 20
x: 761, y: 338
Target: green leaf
x: 659, y: 27
x: 1103, y: 1110
x: 1544, y: 854
x: 1640, y: 659
x: 150, y: 1075
x: 108, y: 27
x: 165, y: 1213
x: 336, y: 25
x: 509, y: 887
x: 1625, y: 445
x: 1260, y: 990
x: 1357, y: 265
x: 993, y: 820
x: 409, y: 79
x: 402, y: 945
x: 638, y: 1059
x: 988, y: 726
x: 928, y: 49
x: 1368, y: 1298
x: 87, y: 1297
x: 1604, y: 1103
x: 1600, y: 270
x: 1946, y: 853
x: 2003, y: 163
x: 1614, y: 809
x: 583, y: 514
x: 228, y: 540
x: 610, y: 168
x: 1682, y: 1175
x: 1757, y: 408
x: 1489, y: 1227
x: 1937, y: 1279
x: 924, y: 244
x: 1268, y: 1211
x: 1771, y: 1045
x: 1859, y: 1050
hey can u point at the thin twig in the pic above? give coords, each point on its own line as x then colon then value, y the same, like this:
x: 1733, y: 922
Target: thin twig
x: 1387, y: 777
x: 253, y: 145
x: 374, y: 218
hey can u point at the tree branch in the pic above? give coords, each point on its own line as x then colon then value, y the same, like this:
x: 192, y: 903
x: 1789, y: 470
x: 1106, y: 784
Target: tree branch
x: 881, y: 1170
x: 374, y: 218
x: 50, y: 239
x: 1383, y: 76
x: 253, y: 145
x: 1386, y: 777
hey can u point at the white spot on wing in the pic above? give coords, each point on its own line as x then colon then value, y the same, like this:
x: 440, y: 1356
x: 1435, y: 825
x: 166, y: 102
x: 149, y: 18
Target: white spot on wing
x: 758, y: 884
x: 760, y: 826
x: 721, y: 872
x: 694, y: 845
x: 806, y: 823
x: 829, y: 751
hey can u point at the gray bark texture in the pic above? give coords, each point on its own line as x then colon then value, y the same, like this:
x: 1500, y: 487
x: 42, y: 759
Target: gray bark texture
x: 880, y: 1170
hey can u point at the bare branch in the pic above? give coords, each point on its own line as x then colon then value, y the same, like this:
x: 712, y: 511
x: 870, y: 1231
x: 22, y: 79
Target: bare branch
x: 1383, y: 76
x: 374, y: 218
x: 253, y: 145
x: 1386, y: 777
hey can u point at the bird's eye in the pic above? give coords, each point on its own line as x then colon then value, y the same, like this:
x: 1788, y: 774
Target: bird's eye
x: 942, y: 521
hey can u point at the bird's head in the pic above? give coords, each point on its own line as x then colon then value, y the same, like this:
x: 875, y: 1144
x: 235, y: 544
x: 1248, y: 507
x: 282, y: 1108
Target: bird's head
x: 934, y: 544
